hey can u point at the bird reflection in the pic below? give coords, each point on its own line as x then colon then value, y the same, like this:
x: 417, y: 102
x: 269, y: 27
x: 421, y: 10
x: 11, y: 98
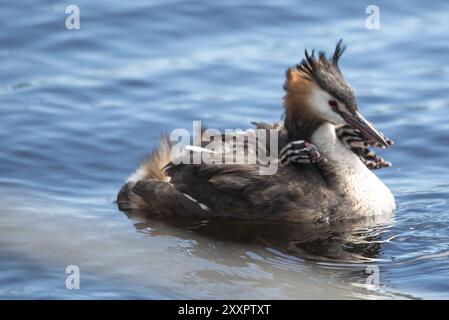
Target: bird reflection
x: 355, y: 241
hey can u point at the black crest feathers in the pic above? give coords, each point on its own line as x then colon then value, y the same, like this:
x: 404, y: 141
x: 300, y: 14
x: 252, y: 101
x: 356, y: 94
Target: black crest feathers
x: 312, y: 64
x: 339, y: 49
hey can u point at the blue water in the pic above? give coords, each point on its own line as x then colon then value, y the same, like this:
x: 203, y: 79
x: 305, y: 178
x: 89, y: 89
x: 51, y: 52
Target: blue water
x: 81, y: 108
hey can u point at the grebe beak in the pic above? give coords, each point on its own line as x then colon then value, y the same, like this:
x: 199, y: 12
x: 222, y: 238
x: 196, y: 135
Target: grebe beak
x: 358, y: 121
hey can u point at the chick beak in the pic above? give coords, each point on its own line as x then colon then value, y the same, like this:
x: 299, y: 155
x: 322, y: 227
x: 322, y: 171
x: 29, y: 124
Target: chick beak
x: 359, y: 122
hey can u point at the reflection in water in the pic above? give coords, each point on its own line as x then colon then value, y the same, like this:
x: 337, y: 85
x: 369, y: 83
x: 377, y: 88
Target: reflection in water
x: 343, y: 250
x: 352, y: 241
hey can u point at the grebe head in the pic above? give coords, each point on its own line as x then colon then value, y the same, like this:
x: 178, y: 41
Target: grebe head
x: 316, y: 92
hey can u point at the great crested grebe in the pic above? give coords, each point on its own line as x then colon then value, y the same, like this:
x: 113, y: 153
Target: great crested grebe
x: 325, y: 166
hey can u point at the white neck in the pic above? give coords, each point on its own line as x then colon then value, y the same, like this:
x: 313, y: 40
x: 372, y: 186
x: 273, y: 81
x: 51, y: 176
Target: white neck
x: 352, y: 178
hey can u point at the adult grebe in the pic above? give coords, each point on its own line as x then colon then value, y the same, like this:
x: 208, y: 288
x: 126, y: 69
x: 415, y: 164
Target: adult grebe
x: 321, y: 180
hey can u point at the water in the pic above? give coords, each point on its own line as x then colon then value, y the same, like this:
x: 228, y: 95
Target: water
x: 81, y: 108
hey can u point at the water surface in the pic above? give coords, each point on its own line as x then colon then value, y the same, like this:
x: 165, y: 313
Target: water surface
x: 80, y: 108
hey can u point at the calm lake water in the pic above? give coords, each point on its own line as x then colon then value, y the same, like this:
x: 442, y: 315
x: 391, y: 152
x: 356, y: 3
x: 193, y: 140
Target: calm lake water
x: 81, y: 108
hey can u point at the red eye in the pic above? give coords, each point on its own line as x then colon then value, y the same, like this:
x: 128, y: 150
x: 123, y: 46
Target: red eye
x: 333, y: 103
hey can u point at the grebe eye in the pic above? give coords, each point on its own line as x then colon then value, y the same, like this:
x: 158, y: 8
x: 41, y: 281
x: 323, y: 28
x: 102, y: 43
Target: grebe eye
x: 333, y: 103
